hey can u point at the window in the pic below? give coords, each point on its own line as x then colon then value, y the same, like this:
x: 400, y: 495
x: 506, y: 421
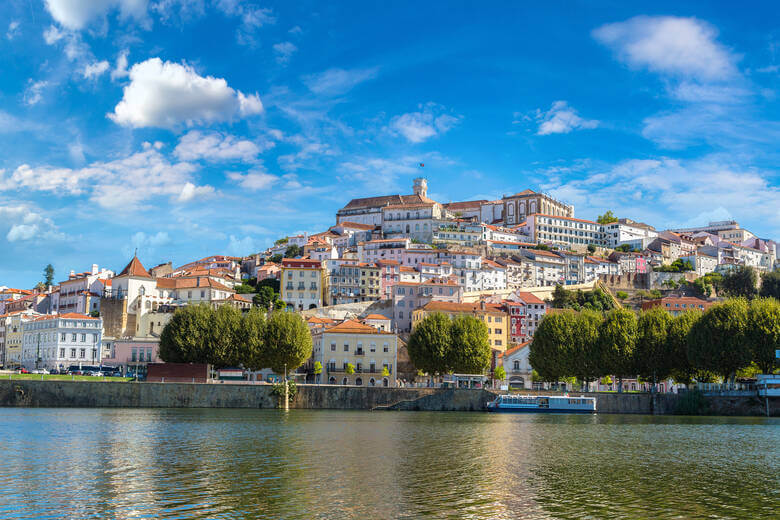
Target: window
x: 346, y: 347
x: 73, y: 337
x: 189, y: 294
x: 82, y: 353
x: 83, y: 338
x: 62, y: 352
x: 372, y: 346
x: 386, y: 347
x: 134, y: 355
x: 73, y: 353
x: 516, y: 365
x: 62, y: 336
x: 333, y: 346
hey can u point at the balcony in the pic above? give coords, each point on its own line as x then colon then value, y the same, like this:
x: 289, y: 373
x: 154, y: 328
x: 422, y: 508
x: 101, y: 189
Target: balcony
x: 360, y: 352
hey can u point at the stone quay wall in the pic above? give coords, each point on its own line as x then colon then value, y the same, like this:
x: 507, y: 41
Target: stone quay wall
x: 98, y: 394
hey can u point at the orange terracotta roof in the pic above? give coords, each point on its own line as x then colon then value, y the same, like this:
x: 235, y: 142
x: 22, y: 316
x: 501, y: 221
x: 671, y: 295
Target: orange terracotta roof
x: 135, y: 268
x: 187, y: 282
x: 440, y: 306
x: 375, y: 317
x: 388, y: 262
x: 355, y: 225
x: 67, y: 315
x: 523, y: 193
x: 527, y: 297
x: 510, y: 351
x: 464, y: 205
x: 352, y: 327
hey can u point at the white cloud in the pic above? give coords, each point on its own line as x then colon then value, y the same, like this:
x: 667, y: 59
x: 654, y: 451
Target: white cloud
x: 191, y: 192
x: 668, y: 192
x: 295, y: 30
x: 52, y: 35
x: 146, y: 242
x: 96, y: 69
x: 168, y: 95
x: 561, y: 119
x: 121, y: 185
x: 334, y: 82
x: 252, y: 18
x: 25, y: 224
x: 34, y: 92
x: 77, y: 14
x: 241, y: 246
x: 215, y: 146
x: 254, y: 180
x: 120, y: 69
x: 417, y: 127
x: 683, y: 47
x: 284, y: 51
x: 13, y: 29
x: 76, y: 152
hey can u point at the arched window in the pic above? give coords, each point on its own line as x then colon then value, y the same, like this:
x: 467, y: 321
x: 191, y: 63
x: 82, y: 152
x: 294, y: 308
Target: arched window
x: 344, y: 381
x: 148, y: 304
x: 510, y: 209
x: 371, y: 382
x: 521, y: 208
x: 385, y: 382
x: 532, y: 206
x: 359, y: 381
x: 516, y: 365
x: 332, y: 381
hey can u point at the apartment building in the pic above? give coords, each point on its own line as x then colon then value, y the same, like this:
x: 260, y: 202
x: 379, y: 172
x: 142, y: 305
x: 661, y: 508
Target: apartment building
x: 61, y: 340
x: 303, y: 284
x: 626, y: 231
x: 525, y: 311
x: 408, y: 296
x: 519, y: 206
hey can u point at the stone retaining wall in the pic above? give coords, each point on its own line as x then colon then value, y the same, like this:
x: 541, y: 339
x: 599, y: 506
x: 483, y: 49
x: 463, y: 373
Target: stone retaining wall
x: 195, y: 395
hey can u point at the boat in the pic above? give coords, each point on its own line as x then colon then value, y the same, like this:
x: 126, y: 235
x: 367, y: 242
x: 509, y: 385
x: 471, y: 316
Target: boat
x: 508, y: 403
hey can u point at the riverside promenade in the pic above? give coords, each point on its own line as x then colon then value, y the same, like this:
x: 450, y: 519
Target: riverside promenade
x: 99, y: 394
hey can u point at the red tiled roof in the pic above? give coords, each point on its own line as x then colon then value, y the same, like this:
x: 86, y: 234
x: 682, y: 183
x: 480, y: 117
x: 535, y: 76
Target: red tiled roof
x: 436, y: 305
x: 135, y: 268
x: 353, y: 327
x: 510, y: 351
x: 527, y: 297
x: 375, y: 317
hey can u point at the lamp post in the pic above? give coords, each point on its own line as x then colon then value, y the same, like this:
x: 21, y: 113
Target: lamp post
x: 286, y: 391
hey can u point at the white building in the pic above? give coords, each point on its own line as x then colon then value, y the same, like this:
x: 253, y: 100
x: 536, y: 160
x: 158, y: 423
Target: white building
x: 570, y: 232
x: 383, y: 249
x: 626, y: 231
x: 59, y: 341
x: 518, y: 369
x: 702, y: 263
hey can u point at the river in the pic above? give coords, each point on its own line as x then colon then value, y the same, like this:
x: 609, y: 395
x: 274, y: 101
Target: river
x: 218, y: 463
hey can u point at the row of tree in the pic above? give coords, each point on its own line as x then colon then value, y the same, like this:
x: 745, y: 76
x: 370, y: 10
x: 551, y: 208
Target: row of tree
x: 595, y: 300
x: 654, y: 345
x: 440, y: 345
x: 226, y: 337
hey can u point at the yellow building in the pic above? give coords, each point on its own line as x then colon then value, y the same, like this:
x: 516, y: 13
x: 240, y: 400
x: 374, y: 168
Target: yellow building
x: 303, y: 284
x: 13, y: 336
x: 496, y: 320
x: 369, y: 282
x: 373, y: 354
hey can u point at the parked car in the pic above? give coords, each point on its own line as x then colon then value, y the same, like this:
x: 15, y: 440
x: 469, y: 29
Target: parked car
x: 23, y: 371
x: 40, y: 371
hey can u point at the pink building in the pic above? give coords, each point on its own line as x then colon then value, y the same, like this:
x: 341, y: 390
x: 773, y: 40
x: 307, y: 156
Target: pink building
x: 131, y: 355
x: 389, y: 273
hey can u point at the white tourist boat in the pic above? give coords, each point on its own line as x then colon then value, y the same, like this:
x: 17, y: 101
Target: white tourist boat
x: 508, y: 403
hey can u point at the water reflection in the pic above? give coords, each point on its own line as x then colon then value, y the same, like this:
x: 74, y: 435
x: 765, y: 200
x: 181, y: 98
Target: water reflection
x: 334, y: 464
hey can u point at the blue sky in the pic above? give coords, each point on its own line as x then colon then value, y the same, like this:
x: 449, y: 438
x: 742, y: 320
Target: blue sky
x: 189, y: 128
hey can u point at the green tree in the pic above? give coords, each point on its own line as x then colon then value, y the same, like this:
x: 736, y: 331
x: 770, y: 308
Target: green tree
x: 549, y: 350
x: 591, y: 248
x: 718, y: 341
x: 273, y: 283
x: 317, y: 371
x: 184, y: 338
x: 469, y: 351
x: 617, y: 341
x: 277, y: 258
x: 607, y: 218
x: 656, y: 294
x: 265, y: 297
x: 385, y: 372
x: 770, y: 285
x: 429, y: 344
x: 350, y: 369
x: 584, y: 356
x: 653, y: 358
x: 287, y: 341
x: 677, y: 339
x: 48, y: 275
x: 293, y: 251
x: 499, y: 373
x: 279, y: 304
x: 740, y: 282
x: 621, y: 295
x: 244, y: 288
x: 251, y: 340
x: 224, y: 337
x: 763, y: 332
x: 561, y: 298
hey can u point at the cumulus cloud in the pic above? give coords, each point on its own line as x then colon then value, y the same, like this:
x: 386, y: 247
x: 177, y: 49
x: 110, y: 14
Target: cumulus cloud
x: 121, y: 184
x: 241, y: 246
x: 13, y: 29
x: 251, y: 18
x: 417, y: 127
x: 685, y: 47
x: 215, y: 146
x: 148, y: 242
x: 168, y: 95
x: 25, y: 224
x: 334, y: 82
x: 96, y: 69
x: 255, y: 180
x: 77, y: 14
x: 34, y: 92
x: 561, y: 119
x: 120, y: 69
x: 284, y: 51
x: 670, y: 192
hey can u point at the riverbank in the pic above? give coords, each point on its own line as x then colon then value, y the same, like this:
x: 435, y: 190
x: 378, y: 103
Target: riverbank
x: 105, y: 394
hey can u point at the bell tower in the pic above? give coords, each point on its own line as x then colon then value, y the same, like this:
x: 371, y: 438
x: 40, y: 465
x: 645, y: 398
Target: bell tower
x: 420, y: 187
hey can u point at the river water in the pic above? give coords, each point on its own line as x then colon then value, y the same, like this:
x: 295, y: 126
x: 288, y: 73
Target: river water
x: 143, y: 463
